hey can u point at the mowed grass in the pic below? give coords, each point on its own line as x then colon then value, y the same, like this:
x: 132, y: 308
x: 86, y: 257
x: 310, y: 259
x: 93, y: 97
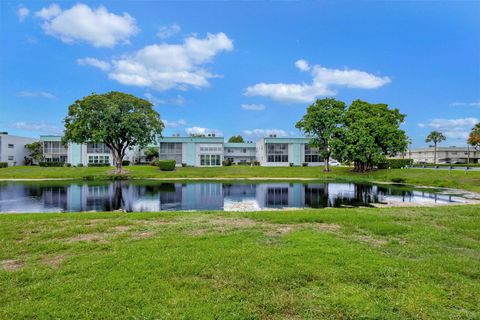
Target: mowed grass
x: 394, y: 263
x: 438, y: 178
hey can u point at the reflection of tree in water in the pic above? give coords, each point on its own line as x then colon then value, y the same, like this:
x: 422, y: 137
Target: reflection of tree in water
x: 316, y: 196
x: 362, y: 196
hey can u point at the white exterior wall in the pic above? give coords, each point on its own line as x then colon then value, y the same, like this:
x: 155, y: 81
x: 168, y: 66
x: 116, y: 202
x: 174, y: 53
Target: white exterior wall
x: 207, y: 145
x: 238, y: 155
x: 19, y: 152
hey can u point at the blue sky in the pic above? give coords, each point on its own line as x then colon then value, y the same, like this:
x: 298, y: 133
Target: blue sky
x: 248, y: 68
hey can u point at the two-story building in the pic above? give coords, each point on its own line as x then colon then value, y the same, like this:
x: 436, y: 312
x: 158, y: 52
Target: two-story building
x: 192, y: 151
x: 236, y: 152
x: 12, y: 149
x: 273, y: 151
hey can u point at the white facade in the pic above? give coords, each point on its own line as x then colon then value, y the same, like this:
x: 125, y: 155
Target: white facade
x: 12, y: 149
x: 444, y: 155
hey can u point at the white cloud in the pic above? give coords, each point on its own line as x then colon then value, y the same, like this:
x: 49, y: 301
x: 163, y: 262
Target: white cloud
x: 465, y: 104
x: 38, y: 127
x: 323, y: 82
x: 100, y: 64
x: 261, y: 133
x: 165, y: 32
x: 167, y: 66
x: 452, y: 128
x: 22, y: 13
x: 97, y: 26
x: 174, y: 124
x: 178, y: 100
x: 253, y: 107
x: 202, y: 131
x: 35, y: 94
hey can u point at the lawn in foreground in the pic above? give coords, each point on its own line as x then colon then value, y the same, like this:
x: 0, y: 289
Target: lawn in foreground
x: 426, y: 177
x: 394, y: 263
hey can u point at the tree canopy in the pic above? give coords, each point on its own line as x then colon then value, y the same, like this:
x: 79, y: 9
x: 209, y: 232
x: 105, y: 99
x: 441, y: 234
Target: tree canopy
x: 368, y: 134
x: 435, y: 137
x: 321, y: 123
x: 236, y: 139
x: 117, y: 119
x: 474, y: 137
x: 151, y: 153
x: 36, y: 152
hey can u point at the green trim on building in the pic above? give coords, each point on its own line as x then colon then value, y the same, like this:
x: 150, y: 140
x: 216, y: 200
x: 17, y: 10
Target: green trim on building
x: 239, y: 145
x: 192, y: 139
x: 287, y: 140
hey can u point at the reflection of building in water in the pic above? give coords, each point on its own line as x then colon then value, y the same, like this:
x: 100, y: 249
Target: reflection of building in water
x: 279, y: 195
x: 240, y: 197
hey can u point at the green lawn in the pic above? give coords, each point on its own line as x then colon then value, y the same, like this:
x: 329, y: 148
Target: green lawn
x: 395, y: 263
x: 428, y: 177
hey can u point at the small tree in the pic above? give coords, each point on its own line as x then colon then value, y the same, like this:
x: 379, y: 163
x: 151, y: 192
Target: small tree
x: 151, y: 153
x: 36, y: 151
x: 435, y: 137
x: 117, y: 119
x: 474, y: 137
x: 236, y: 139
x: 321, y: 123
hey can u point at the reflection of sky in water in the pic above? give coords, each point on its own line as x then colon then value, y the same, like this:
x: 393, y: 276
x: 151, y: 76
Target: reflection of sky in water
x: 155, y: 196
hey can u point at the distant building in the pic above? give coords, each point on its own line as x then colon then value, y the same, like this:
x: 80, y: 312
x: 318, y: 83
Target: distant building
x: 273, y: 151
x: 193, y: 151
x: 240, y: 152
x: 444, y: 155
x: 12, y: 149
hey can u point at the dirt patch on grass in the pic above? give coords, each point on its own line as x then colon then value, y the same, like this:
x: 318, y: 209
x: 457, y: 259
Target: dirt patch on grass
x: 54, y: 261
x: 89, y: 237
x: 122, y: 228
x: 12, y: 264
x: 142, y: 235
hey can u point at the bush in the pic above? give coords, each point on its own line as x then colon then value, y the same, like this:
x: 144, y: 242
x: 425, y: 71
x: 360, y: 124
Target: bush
x: 305, y: 164
x: 243, y: 163
x: 166, y: 165
x: 256, y: 163
x: 227, y: 163
x: 80, y: 165
x: 395, y: 163
x: 184, y: 164
x: 51, y: 164
x: 291, y: 164
x: 125, y: 162
x: 154, y: 163
x: 67, y: 165
x: 3, y: 164
x: 99, y: 164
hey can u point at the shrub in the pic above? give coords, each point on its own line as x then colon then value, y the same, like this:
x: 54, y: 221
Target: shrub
x: 154, y: 163
x: 51, y: 164
x: 99, y: 164
x: 395, y: 163
x: 227, y: 163
x: 291, y: 164
x: 184, y: 164
x: 125, y: 162
x: 3, y: 164
x: 305, y: 164
x: 166, y: 165
x: 243, y: 163
x: 256, y: 163
x: 67, y: 165
x: 80, y: 165
x: 398, y: 180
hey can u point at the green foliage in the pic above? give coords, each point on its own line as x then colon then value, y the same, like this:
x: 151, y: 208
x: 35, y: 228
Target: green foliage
x: 99, y: 165
x: 227, y: 163
x: 321, y: 124
x: 395, y: 163
x: 51, y: 164
x: 368, y: 135
x: 119, y: 120
x: 3, y: 164
x: 67, y: 165
x: 474, y: 137
x: 236, y: 139
x: 398, y: 180
x: 36, y: 151
x: 125, y: 162
x: 151, y: 153
x: 435, y: 137
x: 256, y: 163
x: 166, y: 165
x: 80, y: 165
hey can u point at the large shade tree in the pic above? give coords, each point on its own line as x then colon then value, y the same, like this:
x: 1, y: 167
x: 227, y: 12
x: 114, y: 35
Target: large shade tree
x: 474, y: 137
x: 117, y: 119
x: 368, y: 135
x: 321, y: 123
x: 435, y: 137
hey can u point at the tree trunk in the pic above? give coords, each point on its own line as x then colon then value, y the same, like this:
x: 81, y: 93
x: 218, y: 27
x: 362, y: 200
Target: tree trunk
x: 326, y: 166
x: 435, y: 153
x: 118, y: 159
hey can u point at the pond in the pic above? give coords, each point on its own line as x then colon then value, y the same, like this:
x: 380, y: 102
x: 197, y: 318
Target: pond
x: 149, y: 195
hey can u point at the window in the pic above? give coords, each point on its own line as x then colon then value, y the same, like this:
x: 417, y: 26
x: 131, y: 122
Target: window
x: 210, y: 160
x: 311, y: 154
x: 277, y: 196
x: 10, y: 158
x: 244, y: 150
x: 10, y: 146
x: 277, y: 152
x: 171, y: 151
x: 98, y: 159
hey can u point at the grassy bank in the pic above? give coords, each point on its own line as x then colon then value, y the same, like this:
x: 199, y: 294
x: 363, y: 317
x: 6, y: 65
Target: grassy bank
x: 441, y: 178
x: 396, y: 263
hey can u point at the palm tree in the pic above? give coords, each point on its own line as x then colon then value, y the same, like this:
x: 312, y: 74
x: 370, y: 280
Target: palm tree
x: 435, y: 137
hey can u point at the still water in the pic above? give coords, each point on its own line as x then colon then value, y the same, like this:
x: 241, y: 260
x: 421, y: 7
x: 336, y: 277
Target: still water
x: 54, y: 196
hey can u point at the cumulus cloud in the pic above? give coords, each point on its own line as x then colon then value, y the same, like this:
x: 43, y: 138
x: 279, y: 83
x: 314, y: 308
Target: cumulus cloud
x: 452, y: 128
x: 261, y: 133
x: 100, y: 64
x: 465, y: 104
x: 324, y: 81
x: 202, y: 131
x: 253, y: 107
x: 38, y: 127
x: 174, y: 124
x: 165, y: 32
x: 37, y: 94
x: 22, y: 13
x: 81, y: 23
x: 168, y: 66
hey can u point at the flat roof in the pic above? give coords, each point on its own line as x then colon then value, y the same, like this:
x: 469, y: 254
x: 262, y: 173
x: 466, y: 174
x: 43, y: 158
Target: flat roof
x: 286, y: 140
x: 192, y: 139
x: 239, y: 145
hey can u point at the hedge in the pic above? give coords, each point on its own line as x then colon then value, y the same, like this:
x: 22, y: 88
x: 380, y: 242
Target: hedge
x: 51, y: 164
x: 395, y: 163
x: 3, y: 164
x: 99, y: 164
x: 166, y: 165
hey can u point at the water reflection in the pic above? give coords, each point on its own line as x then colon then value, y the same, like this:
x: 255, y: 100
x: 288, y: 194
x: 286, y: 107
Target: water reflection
x: 156, y: 196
